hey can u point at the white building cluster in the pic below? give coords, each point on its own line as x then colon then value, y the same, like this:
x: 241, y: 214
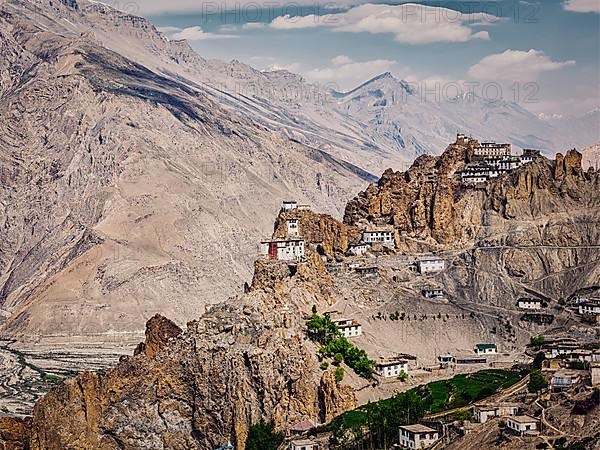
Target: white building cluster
x: 491, y: 160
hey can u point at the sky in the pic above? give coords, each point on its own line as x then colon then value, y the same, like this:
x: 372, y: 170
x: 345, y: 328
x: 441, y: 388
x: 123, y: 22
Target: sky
x: 544, y: 55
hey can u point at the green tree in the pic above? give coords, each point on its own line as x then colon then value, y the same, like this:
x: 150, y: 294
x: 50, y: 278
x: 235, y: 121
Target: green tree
x: 537, y: 361
x: 324, y: 365
x: 339, y: 374
x: 537, y: 341
x: 262, y: 436
x: 403, y: 375
x: 338, y: 358
x: 537, y: 382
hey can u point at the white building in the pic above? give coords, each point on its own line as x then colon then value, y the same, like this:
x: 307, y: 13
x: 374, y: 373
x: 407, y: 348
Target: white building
x: 288, y: 205
x: 359, y: 249
x: 283, y: 249
x: 485, y: 349
x: 379, y: 235
x: 492, y: 150
x: 431, y: 265
x: 522, y: 424
x: 304, y: 444
x: 591, y: 308
x: 417, y: 436
x: 529, y: 303
x: 348, y: 327
x: 446, y: 360
x: 432, y: 292
x: 563, y: 380
x: 483, y: 412
x: 292, y: 227
x: 391, y: 368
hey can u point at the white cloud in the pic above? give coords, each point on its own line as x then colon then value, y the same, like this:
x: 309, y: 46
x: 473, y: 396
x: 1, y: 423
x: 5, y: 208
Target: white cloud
x: 582, y: 6
x: 196, y: 33
x: 409, y: 23
x: 341, y: 60
x: 515, y: 65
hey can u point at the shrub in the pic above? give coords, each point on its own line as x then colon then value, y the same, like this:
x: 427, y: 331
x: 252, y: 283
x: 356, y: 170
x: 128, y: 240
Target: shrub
x: 262, y: 436
x: 339, y: 374
x: 537, y: 382
x: 403, y: 375
x: 338, y: 358
x: 324, y: 365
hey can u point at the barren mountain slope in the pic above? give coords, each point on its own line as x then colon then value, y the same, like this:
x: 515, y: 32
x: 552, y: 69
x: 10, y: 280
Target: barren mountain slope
x: 250, y: 358
x: 124, y: 193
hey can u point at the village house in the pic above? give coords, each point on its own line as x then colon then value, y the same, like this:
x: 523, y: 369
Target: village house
x: 485, y: 349
x: 304, y: 444
x: 529, y: 303
x: 529, y: 155
x: 288, y: 205
x: 470, y: 360
x: 348, y: 327
x: 589, y: 308
x: 564, y: 379
x: 382, y: 235
x: 446, y: 361
x: 292, y: 227
x: 367, y: 271
x: 483, y: 412
x: 556, y: 349
x: 283, y: 249
x: 432, y: 292
x: 391, y: 368
x: 417, y: 436
x: 492, y: 150
x: 359, y: 249
x: 522, y: 424
x: 431, y: 265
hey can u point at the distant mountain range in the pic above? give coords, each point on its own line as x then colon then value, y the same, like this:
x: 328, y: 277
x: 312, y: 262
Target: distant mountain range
x: 382, y: 123
x: 137, y: 176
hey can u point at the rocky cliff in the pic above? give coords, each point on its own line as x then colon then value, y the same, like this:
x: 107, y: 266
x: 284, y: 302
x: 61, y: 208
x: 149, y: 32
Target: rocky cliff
x: 430, y: 207
x: 242, y: 361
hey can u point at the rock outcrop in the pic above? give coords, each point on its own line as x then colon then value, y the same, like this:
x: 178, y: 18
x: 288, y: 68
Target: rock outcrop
x: 329, y: 235
x: 430, y: 208
x: 15, y: 433
x: 159, y: 330
x: 243, y: 360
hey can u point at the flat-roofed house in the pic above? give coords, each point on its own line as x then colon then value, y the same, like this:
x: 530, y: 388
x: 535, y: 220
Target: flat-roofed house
x: 564, y: 379
x: 529, y: 303
x: 522, y: 424
x: 304, y: 444
x: 417, y: 436
x: 359, y: 249
x: 486, y: 349
x: 283, y: 249
x: 288, y: 205
x: 432, y: 292
x: 492, y: 150
x: 348, y: 327
x: 483, y: 412
x: 391, y: 368
x: 383, y: 235
x: 431, y: 265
